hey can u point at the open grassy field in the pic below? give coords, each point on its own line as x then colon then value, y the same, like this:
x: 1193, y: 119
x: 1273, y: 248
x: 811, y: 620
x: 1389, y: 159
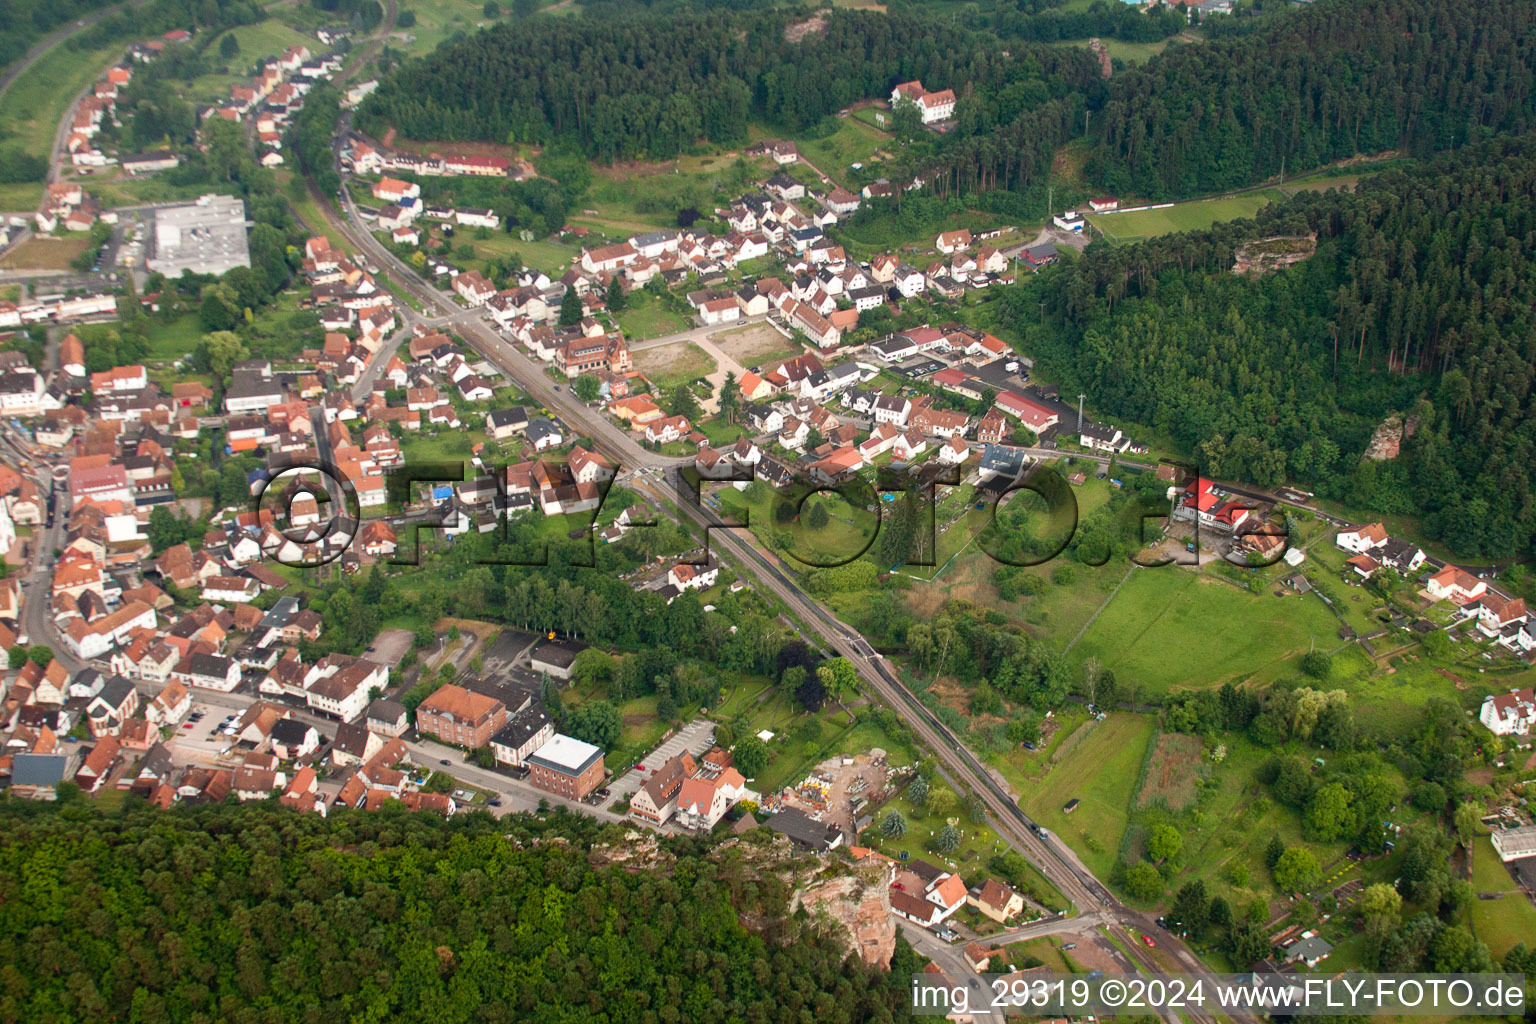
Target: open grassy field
x: 32, y: 107
x: 1191, y: 216
x: 137, y: 191
x: 21, y: 197
x: 548, y: 255
x: 172, y: 340
x: 1164, y: 621
x: 854, y: 142
x: 1504, y: 922
x: 1130, y: 53
x: 41, y: 252
x: 1099, y: 771
x: 436, y: 20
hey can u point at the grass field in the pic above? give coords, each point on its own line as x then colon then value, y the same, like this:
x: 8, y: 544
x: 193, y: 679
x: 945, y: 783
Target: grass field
x: 1130, y: 53
x: 21, y: 197
x: 547, y: 255
x: 170, y: 341
x: 1165, y: 621
x: 137, y: 191
x: 436, y: 20
x: 1100, y: 771
x: 267, y: 38
x: 853, y: 142
x: 1504, y: 922
x: 34, y: 104
x: 648, y: 318
x: 1191, y: 216
x: 44, y: 253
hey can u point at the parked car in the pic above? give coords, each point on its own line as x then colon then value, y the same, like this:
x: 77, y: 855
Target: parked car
x: 1148, y: 940
x: 445, y: 761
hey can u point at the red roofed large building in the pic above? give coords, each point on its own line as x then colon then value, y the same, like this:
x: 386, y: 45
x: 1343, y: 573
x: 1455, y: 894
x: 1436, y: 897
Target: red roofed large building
x: 1033, y: 415
x: 1201, y: 504
x: 935, y: 106
x: 461, y: 716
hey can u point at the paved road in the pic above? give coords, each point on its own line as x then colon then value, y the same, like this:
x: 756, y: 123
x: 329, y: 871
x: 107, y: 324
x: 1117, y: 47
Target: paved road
x: 36, y: 622
x: 514, y: 795
x: 957, y: 762
x: 696, y: 333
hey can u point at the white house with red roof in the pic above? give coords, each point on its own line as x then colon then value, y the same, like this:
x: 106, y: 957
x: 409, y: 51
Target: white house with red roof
x: 1495, y: 612
x: 1203, y: 505
x: 1455, y: 585
x: 935, y: 106
x: 1032, y: 414
x: 1361, y: 539
x: 1509, y: 714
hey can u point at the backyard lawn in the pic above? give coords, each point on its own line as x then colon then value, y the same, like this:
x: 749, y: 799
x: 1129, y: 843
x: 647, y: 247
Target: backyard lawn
x: 1499, y: 923
x: 853, y: 142
x: 170, y: 341
x: 648, y: 318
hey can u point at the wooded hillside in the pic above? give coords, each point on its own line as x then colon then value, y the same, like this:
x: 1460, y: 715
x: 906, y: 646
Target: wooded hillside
x: 1340, y: 78
x: 647, y: 88
x: 1419, y: 300
x: 251, y: 913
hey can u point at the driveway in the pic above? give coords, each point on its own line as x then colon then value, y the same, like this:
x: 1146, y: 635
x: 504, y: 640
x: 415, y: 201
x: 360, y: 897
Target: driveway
x: 695, y: 737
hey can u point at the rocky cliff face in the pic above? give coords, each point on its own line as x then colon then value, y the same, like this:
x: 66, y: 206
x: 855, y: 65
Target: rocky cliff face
x: 860, y: 904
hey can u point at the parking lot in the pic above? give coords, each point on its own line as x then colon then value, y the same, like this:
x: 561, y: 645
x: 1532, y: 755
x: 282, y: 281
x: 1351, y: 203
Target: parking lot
x: 203, y: 742
x: 695, y: 737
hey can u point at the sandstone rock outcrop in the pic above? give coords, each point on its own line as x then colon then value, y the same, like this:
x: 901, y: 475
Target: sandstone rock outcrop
x: 860, y: 904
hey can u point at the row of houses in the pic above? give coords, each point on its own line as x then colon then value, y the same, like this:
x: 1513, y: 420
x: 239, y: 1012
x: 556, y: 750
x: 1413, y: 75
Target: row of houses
x: 694, y: 795
x: 520, y: 737
x: 1497, y: 616
x: 273, y: 97
x: 364, y: 156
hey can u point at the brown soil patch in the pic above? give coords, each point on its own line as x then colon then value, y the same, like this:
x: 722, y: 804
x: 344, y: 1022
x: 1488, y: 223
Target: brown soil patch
x: 799, y: 30
x: 483, y: 630
x: 952, y: 693
x: 1172, y: 773
x: 752, y: 344
x: 1461, y: 684
x: 680, y: 357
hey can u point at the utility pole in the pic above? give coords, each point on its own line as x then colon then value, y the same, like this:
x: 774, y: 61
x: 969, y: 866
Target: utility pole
x: 1080, y: 397
x: 1050, y: 193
